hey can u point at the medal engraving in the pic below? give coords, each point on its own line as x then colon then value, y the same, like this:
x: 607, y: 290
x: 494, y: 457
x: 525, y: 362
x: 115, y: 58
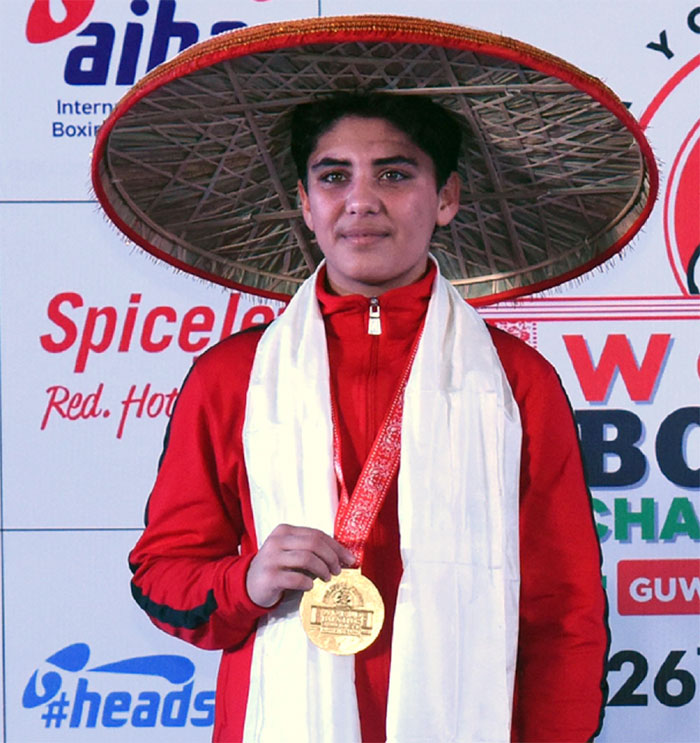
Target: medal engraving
x: 344, y: 615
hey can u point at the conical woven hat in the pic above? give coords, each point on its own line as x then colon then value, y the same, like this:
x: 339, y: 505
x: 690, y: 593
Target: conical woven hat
x: 194, y: 165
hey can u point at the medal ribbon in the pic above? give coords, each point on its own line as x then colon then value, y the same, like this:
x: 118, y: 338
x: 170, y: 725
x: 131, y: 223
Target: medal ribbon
x: 356, y: 515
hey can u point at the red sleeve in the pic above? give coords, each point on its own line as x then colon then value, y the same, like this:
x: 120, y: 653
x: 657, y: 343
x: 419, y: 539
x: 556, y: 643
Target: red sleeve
x: 190, y: 563
x: 563, y: 636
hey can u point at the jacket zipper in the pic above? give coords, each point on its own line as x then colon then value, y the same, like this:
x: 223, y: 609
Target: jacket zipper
x: 374, y: 329
x: 374, y: 326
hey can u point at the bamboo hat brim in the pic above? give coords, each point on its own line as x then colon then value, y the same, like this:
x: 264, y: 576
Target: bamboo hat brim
x: 194, y: 165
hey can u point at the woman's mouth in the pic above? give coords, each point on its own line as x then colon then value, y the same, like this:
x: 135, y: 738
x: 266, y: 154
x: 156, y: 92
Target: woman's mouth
x: 363, y: 237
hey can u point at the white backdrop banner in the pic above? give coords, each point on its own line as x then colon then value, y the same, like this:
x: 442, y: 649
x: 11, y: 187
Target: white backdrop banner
x: 96, y: 337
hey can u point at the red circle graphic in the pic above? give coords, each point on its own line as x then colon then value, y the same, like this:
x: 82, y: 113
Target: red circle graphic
x: 681, y: 210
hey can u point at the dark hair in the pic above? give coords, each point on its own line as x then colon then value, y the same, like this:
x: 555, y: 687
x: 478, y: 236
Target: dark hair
x: 429, y: 126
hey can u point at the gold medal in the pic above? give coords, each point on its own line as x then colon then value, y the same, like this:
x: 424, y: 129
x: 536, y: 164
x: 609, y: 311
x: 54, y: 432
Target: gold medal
x: 344, y: 615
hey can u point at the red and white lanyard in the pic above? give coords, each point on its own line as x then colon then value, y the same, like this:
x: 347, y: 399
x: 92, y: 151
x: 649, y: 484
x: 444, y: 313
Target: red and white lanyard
x: 356, y: 515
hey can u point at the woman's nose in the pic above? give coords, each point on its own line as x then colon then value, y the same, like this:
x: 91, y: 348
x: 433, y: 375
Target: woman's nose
x: 362, y: 197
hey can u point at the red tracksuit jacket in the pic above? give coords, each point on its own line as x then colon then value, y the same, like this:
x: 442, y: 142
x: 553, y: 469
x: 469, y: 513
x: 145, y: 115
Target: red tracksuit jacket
x: 190, y: 564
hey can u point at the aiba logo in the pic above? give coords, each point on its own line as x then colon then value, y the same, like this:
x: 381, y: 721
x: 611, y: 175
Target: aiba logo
x: 658, y: 587
x: 73, y: 697
x: 114, y: 46
x: 43, y: 27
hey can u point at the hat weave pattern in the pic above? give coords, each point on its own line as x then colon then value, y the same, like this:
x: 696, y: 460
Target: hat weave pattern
x: 195, y: 164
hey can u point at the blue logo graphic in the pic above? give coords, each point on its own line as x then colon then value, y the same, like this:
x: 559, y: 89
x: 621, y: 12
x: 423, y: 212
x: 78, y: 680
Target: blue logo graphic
x: 92, y: 63
x: 87, y: 707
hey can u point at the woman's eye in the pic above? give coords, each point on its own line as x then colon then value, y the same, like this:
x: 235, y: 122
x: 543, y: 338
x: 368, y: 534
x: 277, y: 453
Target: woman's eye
x: 393, y: 175
x: 333, y: 177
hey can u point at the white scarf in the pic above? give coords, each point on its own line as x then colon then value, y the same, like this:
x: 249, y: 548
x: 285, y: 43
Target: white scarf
x: 455, y: 627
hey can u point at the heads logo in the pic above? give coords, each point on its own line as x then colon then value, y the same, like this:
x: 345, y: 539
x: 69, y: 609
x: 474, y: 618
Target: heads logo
x: 681, y: 207
x: 91, y: 64
x: 82, y: 706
